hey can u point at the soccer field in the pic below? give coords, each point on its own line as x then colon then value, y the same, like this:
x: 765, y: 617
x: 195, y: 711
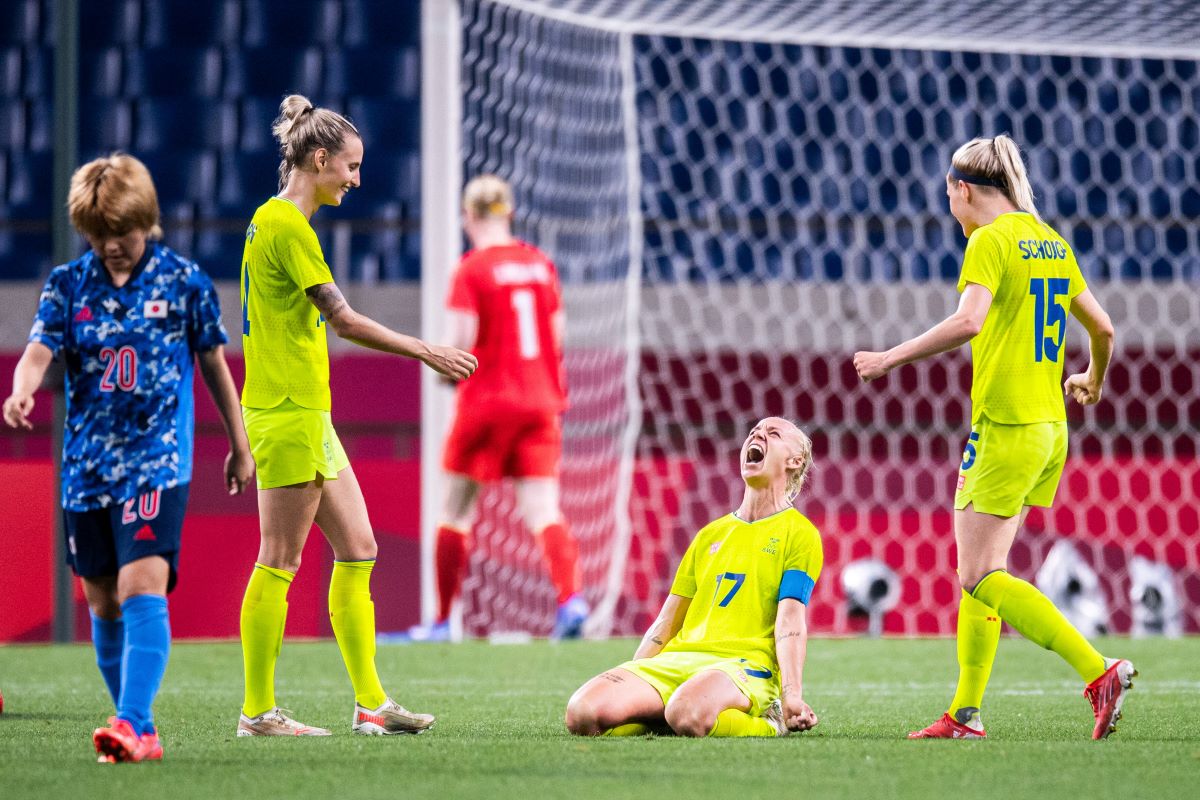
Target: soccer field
x: 500, y: 729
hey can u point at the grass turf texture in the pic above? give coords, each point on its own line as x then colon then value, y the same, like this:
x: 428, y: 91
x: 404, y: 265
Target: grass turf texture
x: 500, y: 729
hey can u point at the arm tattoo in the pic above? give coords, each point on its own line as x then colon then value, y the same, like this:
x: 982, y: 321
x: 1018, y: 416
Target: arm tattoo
x: 656, y: 640
x: 328, y: 299
x: 788, y: 635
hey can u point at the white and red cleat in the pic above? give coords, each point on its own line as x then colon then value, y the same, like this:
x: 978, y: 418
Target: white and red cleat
x: 117, y: 742
x: 149, y: 748
x: 948, y: 728
x: 390, y: 718
x: 275, y: 722
x: 1107, y: 694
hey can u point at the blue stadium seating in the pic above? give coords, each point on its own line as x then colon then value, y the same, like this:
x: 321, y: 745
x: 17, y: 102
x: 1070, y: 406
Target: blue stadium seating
x: 37, y: 72
x: 112, y: 22
x: 23, y: 23
x: 173, y: 71
x: 374, y: 72
x: 182, y: 177
x: 169, y: 123
x: 30, y: 177
x: 290, y: 23
x: 101, y: 71
x: 270, y: 71
x: 246, y: 181
x: 12, y: 123
x: 381, y: 24
x: 105, y: 125
x: 179, y: 23
x: 389, y: 178
x: 256, y: 115
x: 387, y: 124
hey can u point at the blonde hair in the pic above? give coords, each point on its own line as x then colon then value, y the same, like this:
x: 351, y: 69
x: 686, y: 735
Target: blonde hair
x: 488, y: 196
x: 302, y: 129
x: 112, y: 196
x: 998, y: 160
x: 796, y: 477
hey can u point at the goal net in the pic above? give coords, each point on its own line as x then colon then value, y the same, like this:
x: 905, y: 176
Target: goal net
x: 741, y: 195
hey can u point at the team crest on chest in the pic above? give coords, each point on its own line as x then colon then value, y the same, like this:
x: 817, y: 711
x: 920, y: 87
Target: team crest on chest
x: 772, y: 547
x: 155, y: 309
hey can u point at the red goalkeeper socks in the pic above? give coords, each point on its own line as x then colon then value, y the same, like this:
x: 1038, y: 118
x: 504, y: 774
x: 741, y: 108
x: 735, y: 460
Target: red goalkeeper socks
x: 561, y: 554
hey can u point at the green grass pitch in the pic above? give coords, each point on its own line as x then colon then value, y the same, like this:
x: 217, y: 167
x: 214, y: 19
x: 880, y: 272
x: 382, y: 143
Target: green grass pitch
x: 500, y: 731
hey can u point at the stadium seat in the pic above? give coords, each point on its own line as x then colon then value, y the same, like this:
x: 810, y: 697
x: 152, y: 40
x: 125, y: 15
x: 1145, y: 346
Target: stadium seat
x: 168, y: 123
x: 191, y: 24
x: 290, y: 23
x: 105, y: 125
x: 256, y: 115
x: 39, y: 130
x: 218, y: 249
x: 12, y: 68
x: 391, y: 124
x: 174, y: 71
x: 246, y: 181
x: 25, y: 23
x: 101, y: 71
x: 270, y: 71
x: 181, y: 177
x: 388, y: 179
x: 13, y: 115
x: 25, y: 254
x: 115, y: 22
x: 371, y: 72
x: 30, y: 178
x: 369, y: 22
x: 37, y: 72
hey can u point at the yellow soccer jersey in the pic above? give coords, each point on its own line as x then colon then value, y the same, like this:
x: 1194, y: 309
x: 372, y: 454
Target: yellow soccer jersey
x: 283, y: 334
x: 1018, y: 356
x: 736, y: 572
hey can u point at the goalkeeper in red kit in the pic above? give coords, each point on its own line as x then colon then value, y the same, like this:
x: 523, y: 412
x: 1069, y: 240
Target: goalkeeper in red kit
x: 505, y: 306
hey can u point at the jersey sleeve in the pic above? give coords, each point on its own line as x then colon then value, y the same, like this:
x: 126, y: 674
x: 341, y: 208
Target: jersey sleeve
x: 1078, y: 284
x: 300, y: 255
x: 205, y: 330
x: 684, y: 584
x: 462, y: 293
x: 802, y: 564
x: 983, y: 262
x: 50, y: 324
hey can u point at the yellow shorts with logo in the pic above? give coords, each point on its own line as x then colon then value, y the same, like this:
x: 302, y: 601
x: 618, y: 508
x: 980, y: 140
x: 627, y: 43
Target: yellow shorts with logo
x: 1006, y: 467
x: 666, y: 672
x: 292, y: 444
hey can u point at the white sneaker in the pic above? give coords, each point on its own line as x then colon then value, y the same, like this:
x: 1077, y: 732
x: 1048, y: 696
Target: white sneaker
x: 276, y: 723
x: 774, y: 715
x: 388, y: 719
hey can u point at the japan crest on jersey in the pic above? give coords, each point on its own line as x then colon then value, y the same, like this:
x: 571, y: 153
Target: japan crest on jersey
x: 155, y: 309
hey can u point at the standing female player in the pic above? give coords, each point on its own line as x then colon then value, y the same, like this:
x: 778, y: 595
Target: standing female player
x: 1019, y: 279
x: 288, y: 297
x: 129, y: 317
x: 505, y: 305
x: 726, y: 655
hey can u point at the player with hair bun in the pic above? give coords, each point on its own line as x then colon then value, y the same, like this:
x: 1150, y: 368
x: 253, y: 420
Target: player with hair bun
x: 505, y: 305
x: 288, y: 297
x: 129, y: 317
x: 726, y: 655
x: 1019, y: 280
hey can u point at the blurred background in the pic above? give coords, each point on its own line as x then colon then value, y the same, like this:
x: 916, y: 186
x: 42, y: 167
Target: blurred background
x: 738, y: 196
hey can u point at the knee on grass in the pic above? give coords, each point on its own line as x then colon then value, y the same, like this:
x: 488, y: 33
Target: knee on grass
x: 688, y: 720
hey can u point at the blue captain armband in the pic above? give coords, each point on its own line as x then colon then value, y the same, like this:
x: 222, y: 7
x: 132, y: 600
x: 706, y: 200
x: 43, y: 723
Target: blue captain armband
x: 797, y: 585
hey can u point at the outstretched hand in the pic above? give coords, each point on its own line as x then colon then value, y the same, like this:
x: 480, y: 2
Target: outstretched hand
x: 1083, y: 388
x: 870, y: 365
x: 17, y: 409
x: 455, y: 364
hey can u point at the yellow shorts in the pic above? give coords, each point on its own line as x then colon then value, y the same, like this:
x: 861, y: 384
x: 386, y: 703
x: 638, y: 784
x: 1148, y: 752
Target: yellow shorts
x: 292, y: 444
x: 666, y: 672
x: 1006, y: 467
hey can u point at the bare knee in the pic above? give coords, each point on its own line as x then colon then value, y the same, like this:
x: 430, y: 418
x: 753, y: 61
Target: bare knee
x: 582, y: 718
x: 686, y: 719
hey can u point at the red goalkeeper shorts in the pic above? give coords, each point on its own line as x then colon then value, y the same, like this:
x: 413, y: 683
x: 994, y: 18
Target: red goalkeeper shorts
x: 489, y: 444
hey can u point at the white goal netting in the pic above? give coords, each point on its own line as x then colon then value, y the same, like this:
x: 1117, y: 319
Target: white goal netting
x: 740, y: 195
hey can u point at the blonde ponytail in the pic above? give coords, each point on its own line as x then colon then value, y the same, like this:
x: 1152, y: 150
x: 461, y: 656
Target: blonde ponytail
x: 998, y: 161
x: 488, y: 196
x: 301, y: 129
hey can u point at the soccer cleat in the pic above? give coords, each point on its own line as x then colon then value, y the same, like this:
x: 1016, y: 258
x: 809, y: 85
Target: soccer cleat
x: 568, y: 622
x: 948, y: 728
x: 117, y: 742
x: 149, y: 748
x: 276, y: 723
x: 390, y: 718
x: 433, y: 632
x: 774, y: 715
x: 1107, y: 694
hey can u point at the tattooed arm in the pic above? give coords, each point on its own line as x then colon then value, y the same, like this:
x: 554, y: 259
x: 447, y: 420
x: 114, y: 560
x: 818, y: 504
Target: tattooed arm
x: 361, y: 329
x: 791, y: 644
x: 670, y: 620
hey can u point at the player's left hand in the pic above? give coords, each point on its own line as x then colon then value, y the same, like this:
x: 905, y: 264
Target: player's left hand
x: 797, y: 715
x: 239, y: 469
x: 870, y: 365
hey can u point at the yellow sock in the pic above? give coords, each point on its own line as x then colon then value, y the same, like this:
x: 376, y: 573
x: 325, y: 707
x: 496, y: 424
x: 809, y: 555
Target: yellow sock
x: 628, y: 729
x: 978, y: 635
x: 1022, y: 606
x: 732, y: 722
x: 352, y: 614
x: 264, y: 612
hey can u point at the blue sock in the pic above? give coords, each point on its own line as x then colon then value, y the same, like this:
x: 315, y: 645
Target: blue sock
x: 108, y: 637
x: 147, y: 643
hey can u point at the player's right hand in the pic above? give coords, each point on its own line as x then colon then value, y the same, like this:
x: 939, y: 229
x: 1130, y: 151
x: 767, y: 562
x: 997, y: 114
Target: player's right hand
x: 1083, y: 388
x: 16, y: 411
x: 455, y: 364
